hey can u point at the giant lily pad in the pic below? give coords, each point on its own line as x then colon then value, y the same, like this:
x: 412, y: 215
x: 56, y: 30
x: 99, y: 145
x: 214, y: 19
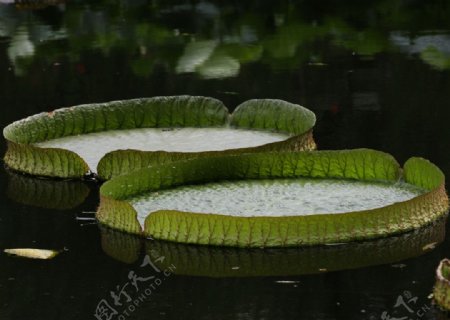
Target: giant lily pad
x: 253, y: 204
x: 442, y: 286
x: 212, y: 261
x: 69, y: 142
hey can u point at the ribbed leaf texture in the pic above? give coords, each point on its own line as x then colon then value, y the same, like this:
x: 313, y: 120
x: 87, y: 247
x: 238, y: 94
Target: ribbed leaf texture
x: 215, y: 229
x: 156, y: 112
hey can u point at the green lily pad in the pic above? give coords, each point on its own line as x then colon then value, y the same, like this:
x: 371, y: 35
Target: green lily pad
x: 442, y: 287
x: 122, y: 136
x: 259, y: 207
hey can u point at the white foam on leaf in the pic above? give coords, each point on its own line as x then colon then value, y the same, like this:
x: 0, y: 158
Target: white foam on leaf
x: 93, y: 146
x: 277, y: 197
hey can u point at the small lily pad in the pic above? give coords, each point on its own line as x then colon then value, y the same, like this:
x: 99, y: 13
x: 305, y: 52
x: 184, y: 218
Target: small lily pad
x: 441, y: 290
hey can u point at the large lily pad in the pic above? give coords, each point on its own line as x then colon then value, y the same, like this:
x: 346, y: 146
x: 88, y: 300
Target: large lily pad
x: 258, y: 230
x: 442, y: 286
x: 247, y: 262
x: 48, y: 144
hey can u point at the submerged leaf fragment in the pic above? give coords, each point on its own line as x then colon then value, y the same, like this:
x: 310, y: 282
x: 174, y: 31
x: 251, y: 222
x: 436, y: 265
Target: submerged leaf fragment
x: 30, y: 253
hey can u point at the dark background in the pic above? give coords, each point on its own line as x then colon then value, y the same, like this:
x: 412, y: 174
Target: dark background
x: 376, y: 73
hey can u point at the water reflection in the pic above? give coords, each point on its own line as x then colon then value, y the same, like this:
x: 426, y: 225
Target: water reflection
x: 45, y: 193
x: 233, y: 262
x: 433, y: 48
x: 380, y: 94
x: 282, y: 37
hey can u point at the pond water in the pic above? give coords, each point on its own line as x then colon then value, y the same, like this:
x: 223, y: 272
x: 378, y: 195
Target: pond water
x: 376, y: 74
x: 275, y: 197
x: 93, y: 146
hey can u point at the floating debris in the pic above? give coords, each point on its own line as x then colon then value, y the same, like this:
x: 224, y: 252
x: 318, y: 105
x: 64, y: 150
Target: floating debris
x: 317, y: 64
x: 88, y: 217
x: 85, y: 219
x: 429, y: 246
x: 398, y: 265
x: 287, y: 281
x: 33, y: 253
x: 93, y: 223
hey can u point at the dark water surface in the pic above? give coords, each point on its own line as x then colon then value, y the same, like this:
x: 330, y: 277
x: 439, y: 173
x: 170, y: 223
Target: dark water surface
x: 376, y: 75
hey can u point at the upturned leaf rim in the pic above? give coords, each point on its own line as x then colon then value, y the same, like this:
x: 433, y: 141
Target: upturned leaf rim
x: 281, y: 231
x: 155, y: 112
x: 441, y: 291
